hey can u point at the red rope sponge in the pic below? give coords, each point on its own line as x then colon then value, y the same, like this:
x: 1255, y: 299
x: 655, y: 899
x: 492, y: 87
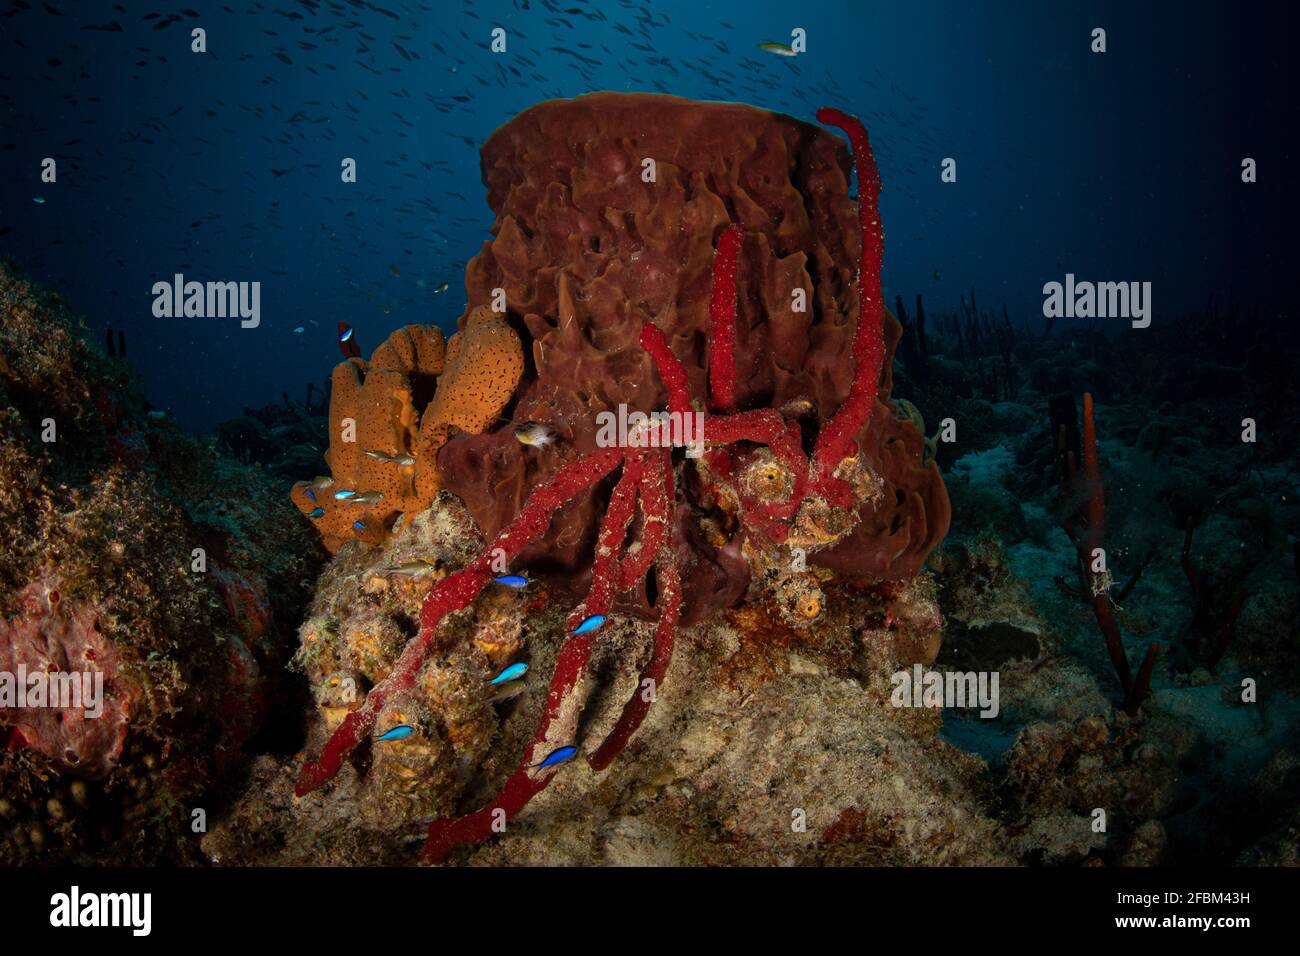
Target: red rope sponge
x: 722, y: 321
x: 836, y: 437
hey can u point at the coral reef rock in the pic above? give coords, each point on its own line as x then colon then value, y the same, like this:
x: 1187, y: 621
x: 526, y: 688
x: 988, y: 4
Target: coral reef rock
x: 139, y: 564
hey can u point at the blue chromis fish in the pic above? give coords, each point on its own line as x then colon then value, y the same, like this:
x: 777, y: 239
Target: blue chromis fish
x: 359, y: 525
x: 513, y: 672
x: 316, y: 513
x: 311, y: 495
x: 343, y: 495
x: 557, y: 757
x: 400, y: 732
x: 512, y: 580
x: 592, y: 623
x: 780, y: 49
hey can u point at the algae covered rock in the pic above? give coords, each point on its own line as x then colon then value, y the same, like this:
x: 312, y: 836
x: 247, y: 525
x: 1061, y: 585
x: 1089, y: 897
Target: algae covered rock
x: 141, y: 568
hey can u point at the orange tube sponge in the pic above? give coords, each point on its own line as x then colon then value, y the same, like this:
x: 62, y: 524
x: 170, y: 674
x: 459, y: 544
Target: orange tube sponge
x: 385, y: 431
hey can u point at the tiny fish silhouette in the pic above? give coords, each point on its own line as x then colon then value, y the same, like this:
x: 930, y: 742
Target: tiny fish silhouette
x: 400, y: 732
x: 510, y: 692
x: 558, y: 757
x: 513, y: 672
x: 512, y: 580
x: 590, y: 624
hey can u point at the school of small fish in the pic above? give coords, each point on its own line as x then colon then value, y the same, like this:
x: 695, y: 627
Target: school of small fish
x: 408, y: 89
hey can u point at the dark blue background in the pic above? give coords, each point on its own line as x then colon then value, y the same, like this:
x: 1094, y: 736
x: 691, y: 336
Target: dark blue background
x: 1122, y: 166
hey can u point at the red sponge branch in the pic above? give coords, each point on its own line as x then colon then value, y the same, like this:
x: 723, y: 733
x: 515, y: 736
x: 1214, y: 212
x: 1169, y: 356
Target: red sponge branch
x: 669, y: 368
x: 669, y: 605
x: 836, y: 437
x: 528, y: 780
x: 722, y: 321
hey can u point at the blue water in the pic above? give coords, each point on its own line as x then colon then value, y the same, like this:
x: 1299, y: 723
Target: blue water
x: 225, y: 165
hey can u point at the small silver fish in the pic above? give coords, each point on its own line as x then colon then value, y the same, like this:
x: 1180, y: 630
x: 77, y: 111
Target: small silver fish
x: 299, y: 330
x: 509, y: 692
x: 418, y: 568
x: 780, y: 49
x: 39, y: 200
x: 537, y: 435
x: 322, y: 481
x: 366, y: 498
x: 442, y: 288
x: 395, y: 459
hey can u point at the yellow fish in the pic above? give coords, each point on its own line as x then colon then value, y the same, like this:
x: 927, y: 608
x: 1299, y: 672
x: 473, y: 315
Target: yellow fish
x: 532, y: 433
